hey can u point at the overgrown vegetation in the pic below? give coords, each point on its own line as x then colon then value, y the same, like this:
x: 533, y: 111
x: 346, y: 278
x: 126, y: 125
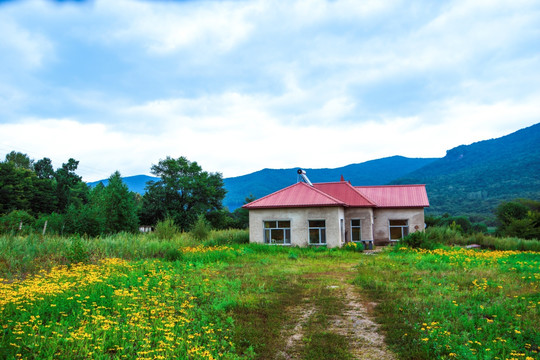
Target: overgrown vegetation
x: 434, y: 237
x: 35, y: 198
x: 80, y: 297
x: 453, y: 303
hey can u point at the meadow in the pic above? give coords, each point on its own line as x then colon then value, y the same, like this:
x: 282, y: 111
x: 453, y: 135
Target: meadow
x: 140, y: 297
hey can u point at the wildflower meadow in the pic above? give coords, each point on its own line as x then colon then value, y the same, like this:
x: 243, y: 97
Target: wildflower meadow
x: 182, y: 299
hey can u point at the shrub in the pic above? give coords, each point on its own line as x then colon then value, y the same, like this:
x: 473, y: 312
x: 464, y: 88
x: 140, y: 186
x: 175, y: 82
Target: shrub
x: 201, y: 229
x: 77, y: 252
x: 293, y: 255
x: 228, y: 237
x: 16, y: 219
x: 352, y: 246
x: 55, y: 224
x: 166, y: 229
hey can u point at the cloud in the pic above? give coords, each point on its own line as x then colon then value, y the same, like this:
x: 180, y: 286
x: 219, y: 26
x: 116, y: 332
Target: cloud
x: 21, y: 47
x: 238, y: 86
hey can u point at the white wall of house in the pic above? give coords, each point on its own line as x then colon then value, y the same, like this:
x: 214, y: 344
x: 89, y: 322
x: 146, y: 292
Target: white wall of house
x: 365, y: 215
x: 299, y: 223
x: 382, y: 216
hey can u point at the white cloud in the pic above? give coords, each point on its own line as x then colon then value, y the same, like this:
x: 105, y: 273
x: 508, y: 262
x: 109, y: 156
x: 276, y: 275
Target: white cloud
x: 238, y: 86
x: 21, y: 47
x: 168, y: 27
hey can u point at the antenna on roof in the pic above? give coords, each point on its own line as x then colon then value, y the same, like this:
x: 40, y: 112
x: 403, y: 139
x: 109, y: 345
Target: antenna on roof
x: 302, y: 175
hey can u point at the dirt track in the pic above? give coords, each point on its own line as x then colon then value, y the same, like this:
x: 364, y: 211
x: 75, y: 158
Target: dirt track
x: 332, y: 306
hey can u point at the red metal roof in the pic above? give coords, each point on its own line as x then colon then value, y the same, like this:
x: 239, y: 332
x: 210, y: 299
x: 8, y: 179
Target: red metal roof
x: 297, y: 195
x: 345, y: 192
x: 396, y: 195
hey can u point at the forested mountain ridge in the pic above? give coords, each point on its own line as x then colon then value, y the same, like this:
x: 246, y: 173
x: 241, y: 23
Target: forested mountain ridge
x: 474, y: 179
x: 266, y: 181
x: 470, y: 179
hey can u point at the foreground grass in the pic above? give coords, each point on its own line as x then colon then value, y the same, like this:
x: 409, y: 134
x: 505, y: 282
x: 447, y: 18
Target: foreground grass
x: 456, y: 304
x: 118, y: 309
x: 179, y: 299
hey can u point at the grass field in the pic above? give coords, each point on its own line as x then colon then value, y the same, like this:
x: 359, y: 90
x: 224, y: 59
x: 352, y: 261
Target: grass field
x: 130, y: 297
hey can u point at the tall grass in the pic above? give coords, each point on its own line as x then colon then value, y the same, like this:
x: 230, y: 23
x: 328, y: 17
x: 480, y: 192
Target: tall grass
x: 436, y: 236
x: 29, y: 254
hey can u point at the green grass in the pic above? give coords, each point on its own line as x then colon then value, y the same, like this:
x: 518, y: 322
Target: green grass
x: 136, y: 296
x: 456, y: 303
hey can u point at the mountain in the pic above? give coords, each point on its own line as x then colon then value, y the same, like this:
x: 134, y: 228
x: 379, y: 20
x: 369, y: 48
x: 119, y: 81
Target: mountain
x: 135, y: 183
x: 470, y: 180
x: 266, y: 181
x: 474, y: 179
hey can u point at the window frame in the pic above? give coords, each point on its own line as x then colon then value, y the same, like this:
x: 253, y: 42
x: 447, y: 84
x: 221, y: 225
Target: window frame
x: 404, y: 229
x: 277, y: 228
x: 359, y: 227
x: 321, y: 233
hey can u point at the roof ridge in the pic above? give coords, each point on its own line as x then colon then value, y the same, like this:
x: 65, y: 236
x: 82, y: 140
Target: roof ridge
x: 370, y: 200
x: 325, y: 194
x: 322, y: 193
x: 378, y: 186
x: 352, y: 188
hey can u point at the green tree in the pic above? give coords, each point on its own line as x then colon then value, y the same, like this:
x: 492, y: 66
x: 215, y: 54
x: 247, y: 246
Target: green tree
x: 119, y: 206
x: 44, y: 169
x: 20, y: 160
x: 519, y: 218
x: 16, y: 188
x: 183, y: 192
x: 66, y: 181
x: 44, y: 199
x: 241, y: 215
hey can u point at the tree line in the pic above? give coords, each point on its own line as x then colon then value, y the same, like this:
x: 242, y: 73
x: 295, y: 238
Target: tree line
x: 36, y: 197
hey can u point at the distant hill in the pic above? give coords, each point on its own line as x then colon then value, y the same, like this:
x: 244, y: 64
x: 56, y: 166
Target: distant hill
x: 475, y: 178
x: 471, y: 179
x: 135, y: 183
x: 266, y: 181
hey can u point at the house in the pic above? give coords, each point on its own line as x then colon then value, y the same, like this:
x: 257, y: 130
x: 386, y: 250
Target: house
x: 335, y: 213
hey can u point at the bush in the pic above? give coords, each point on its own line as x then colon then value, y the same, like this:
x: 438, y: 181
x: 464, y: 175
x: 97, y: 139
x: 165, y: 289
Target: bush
x: 16, y: 219
x: 228, y: 237
x: 55, y: 224
x: 78, y: 251
x: 352, y: 246
x: 201, y: 229
x: 166, y: 229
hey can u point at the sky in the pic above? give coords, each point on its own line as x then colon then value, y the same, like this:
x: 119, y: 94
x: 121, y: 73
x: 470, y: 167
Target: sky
x: 238, y: 86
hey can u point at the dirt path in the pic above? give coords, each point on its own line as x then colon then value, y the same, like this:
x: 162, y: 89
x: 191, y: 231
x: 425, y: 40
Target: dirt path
x: 331, y: 307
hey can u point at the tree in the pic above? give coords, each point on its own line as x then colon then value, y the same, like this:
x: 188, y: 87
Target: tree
x: 183, y: 192
x: 67, y: 180
x: 519, y: 218
x: 44, y: 169
x: 19, y: 160
x: 16, y: 188
x: 241, y: 215
x: 119, y: 206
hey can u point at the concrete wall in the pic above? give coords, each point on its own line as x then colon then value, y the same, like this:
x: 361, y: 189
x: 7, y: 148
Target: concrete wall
x: 366, y: 217
x: 299, y: 223
x: 381, y: 235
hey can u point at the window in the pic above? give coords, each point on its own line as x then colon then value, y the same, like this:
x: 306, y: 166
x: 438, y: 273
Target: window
x: 277, y: 232
x: 317, y: 232
x: 398, y: 229
x: 356, y: 230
